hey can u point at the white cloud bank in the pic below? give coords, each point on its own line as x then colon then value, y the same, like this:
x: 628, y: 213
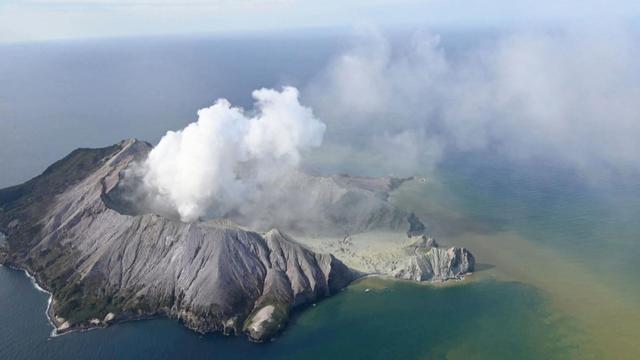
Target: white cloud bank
x: 572, y: 96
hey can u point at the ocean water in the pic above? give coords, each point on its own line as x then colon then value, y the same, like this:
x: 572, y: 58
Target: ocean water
x: 488, y: 319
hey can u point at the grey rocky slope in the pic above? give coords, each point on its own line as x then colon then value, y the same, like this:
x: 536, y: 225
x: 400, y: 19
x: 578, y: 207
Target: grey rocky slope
x: 105, y: 261
x: 103, y: 266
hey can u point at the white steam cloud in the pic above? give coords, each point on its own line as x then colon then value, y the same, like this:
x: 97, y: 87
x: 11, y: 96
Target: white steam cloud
x: 217, y: 164
x: 572, y: 97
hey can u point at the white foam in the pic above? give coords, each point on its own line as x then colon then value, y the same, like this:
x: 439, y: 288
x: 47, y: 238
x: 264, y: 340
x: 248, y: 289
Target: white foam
x: 41, y: 289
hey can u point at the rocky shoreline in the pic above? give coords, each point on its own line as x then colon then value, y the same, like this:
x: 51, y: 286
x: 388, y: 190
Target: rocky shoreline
x: 61, y: 327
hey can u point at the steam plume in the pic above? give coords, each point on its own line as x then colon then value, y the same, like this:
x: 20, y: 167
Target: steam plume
x: 203, y: 168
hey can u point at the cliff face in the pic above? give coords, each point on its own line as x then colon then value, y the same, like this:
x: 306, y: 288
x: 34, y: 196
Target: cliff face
x: 106, y: 259
x: 426, y: 261
x: 102, y: 266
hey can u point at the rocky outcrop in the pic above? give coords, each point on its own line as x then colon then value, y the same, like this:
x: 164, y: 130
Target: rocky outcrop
x: 3, y: 247
x: 418, y: 258
x: 416, y: 227
x: 428, y: 262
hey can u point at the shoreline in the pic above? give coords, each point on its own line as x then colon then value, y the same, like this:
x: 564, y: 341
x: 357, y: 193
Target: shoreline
x: 464, y: 279
x: 34, y: 282
x: 54, y: 331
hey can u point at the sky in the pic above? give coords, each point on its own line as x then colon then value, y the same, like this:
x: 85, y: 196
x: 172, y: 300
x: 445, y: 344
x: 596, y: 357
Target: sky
x: 571, y: 94
x: 42, y: 20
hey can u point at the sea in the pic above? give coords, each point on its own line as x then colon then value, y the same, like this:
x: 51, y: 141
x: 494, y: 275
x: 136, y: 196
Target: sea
x: 557, y: 254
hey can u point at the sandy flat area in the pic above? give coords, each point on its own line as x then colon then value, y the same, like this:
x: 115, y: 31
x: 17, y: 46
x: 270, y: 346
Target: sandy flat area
x: 371, y: 252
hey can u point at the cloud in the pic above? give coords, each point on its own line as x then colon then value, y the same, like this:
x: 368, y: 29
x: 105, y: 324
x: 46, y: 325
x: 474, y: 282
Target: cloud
x: 380, y: 103
x: 224, y: 160
x: 29, y: 20
x: 146, y: 3
x: 571, y: 96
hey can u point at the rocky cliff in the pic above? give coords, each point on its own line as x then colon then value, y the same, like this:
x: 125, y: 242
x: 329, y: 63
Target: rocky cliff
x: 424, y: 260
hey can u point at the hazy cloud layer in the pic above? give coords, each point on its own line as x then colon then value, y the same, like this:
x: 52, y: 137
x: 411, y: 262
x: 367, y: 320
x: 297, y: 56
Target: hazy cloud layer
x: 572, y: 96
x: 22, y: 20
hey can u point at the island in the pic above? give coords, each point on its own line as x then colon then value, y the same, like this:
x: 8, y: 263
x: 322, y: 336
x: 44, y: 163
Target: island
x: 104, y: 259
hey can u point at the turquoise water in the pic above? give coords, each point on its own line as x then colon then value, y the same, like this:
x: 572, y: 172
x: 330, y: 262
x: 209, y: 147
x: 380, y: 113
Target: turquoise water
x: 572, y: 237
x: 591, y: 221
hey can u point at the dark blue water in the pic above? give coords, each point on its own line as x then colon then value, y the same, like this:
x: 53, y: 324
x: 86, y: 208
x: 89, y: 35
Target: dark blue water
x: 395, y: 320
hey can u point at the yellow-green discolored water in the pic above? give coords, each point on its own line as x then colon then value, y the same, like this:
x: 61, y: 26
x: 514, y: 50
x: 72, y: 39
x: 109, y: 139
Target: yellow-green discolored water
x: 576, y: 249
